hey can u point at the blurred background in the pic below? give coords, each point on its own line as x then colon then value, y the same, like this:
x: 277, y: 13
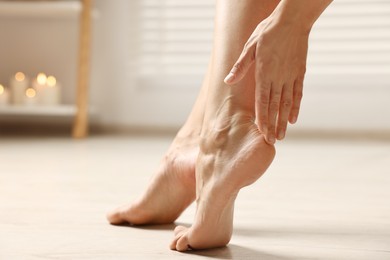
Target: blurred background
x: 148, y: 58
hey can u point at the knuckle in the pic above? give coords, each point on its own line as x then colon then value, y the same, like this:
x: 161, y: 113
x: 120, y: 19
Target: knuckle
x: 263, y: 100
x: 274, y: 103
x: 276, y: 95
x: 238, y: 67
x: 286, y: 103
x: 264, y: 91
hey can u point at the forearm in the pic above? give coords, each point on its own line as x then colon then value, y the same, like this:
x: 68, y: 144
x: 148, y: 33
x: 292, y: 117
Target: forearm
x: 301, y: 13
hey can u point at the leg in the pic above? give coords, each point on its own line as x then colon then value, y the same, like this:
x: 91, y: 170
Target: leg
x: 173, y: 187
x: 233, y: 153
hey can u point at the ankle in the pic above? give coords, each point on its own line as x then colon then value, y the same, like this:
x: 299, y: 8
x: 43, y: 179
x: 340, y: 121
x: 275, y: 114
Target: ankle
x: 225, y: 110
x: 225, y: 124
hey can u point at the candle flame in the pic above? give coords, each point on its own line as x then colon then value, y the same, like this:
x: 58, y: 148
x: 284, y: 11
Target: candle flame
x: 51, y: 81
x: 41, y: 78
x: 30, y: 93
x: 1, y: 89
x: 20, y: 76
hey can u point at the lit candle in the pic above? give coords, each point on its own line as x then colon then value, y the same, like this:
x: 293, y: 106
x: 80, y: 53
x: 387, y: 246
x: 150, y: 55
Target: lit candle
x: 39, y: 84
x: 30, y: 97
x: 18, y: 84
x: 51, y: 94
x: 4, y: 96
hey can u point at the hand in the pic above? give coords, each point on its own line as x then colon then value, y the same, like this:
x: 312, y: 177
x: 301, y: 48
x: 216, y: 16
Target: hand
x: 279, y: 53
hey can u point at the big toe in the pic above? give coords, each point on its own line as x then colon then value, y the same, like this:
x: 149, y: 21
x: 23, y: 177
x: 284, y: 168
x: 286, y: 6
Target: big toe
x: 115, y: 217
x: 180, y: 242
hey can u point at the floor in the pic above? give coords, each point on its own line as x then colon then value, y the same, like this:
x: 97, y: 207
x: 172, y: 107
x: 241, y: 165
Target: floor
x: 321, y: 199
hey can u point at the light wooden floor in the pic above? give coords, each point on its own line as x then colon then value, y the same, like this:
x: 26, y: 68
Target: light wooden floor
x: 319, y: 200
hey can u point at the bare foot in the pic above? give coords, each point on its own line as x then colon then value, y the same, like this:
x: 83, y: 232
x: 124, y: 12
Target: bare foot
x: 173, y: 187
x: 232, y: 155
x: 171, y: 190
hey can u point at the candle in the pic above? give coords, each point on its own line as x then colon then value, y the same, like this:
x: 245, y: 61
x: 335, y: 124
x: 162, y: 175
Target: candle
x: 18, y: 84
x: 39, y: 83
x: 50, y: 95
x: 30, y: 97
x: 4, y: 96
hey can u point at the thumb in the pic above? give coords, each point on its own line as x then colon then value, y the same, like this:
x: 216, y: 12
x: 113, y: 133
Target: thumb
x: 240, y: 68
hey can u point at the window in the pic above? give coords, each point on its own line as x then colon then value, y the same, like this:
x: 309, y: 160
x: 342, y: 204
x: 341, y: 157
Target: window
x: 170, y: 42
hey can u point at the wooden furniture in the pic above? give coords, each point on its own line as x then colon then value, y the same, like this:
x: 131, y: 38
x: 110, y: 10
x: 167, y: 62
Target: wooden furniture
x: 80, y: 126
x: 80, y: 110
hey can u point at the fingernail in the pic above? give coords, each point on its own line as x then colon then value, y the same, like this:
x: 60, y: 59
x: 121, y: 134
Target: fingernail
x: 272, y: 139
x: 294, y: 120
x: 281, y: 135
x: 229, y: 78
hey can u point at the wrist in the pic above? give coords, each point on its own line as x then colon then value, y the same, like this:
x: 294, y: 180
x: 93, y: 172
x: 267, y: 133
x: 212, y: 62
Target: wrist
x: 291, y: 19
x: 299, y: 14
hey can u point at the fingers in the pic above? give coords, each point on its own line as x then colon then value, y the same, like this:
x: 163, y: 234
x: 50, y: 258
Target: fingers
x: 274, y: 102
x: 273, y: 108
x: 241, y: 67
x: 262, y: 103
x: 284, y: 111
x: 297, y: 98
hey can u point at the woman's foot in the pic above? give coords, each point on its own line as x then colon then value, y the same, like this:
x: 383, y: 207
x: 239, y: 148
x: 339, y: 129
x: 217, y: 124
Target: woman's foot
x: 233, y: 154
x: 171, y: 190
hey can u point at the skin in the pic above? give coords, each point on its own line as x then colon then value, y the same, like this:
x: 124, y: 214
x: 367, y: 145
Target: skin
x: 221, y: 148
x: 233, y: 152
x: 278, y: 50
x: 175, y: 177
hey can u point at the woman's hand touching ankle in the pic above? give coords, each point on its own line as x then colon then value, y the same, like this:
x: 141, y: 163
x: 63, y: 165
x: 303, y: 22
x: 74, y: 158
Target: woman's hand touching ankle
x: 278, y: 48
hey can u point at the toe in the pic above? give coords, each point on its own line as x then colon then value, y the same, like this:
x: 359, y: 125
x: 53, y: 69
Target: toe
x: 179, y: 229
x: 120, y: 215
x: 182, y: 243
x: 178, y: 243
x: 172, y: 246
x: 114, y: 217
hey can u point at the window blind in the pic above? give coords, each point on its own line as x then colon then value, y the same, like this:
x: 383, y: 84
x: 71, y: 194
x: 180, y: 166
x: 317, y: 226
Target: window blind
x: 352, y: 36
x: 171, y: 40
